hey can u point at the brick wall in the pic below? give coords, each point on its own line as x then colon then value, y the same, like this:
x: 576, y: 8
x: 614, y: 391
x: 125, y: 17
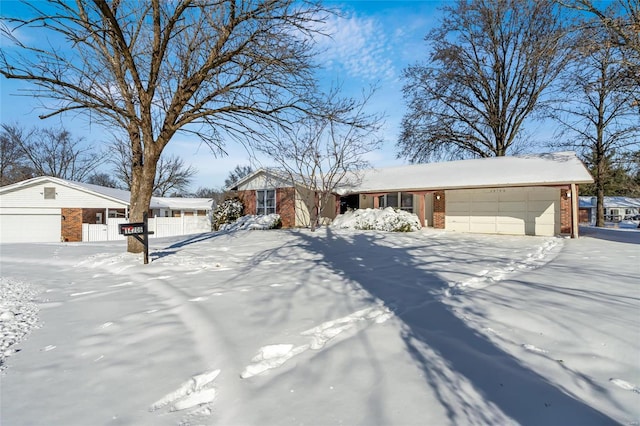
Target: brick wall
x: 71, y: 225
x: 286, y: 206
x: 565, y: 212
x: 584, y: 215
x: 438, y: 210
x: 248, y: 198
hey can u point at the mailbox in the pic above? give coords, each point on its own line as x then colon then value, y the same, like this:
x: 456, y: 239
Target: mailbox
x: 132, y: 228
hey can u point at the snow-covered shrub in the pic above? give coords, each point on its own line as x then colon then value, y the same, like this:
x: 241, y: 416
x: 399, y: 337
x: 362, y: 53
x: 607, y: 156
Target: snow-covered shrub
x: 388, y: 219
x: 227, y: 212
x: 270, y: 221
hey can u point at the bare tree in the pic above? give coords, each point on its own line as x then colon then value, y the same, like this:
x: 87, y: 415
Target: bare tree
x: 597, y: 110
x: 120, y: 156
x: 102, y: 179
x: 236, y: 174
x: 218, y: 70
x: 173, y: 176
x: 621, y: 18
x: 203, y: 192
x: 55, y: 152
x: 217, y: 195
x: 13, y: 162
x: 490, y: 62
x: 324, y: 152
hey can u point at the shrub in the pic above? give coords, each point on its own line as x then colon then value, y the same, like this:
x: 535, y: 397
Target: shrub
x: 227, y: 212
x: 388, y: 219
x: 270, y: 221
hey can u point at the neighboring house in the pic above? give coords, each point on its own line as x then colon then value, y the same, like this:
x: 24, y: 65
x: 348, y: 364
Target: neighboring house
x: 48, y: 209
x: 616, y: 209
x: 527, y: 195
x: 179, y: 207
x: 267, y: 191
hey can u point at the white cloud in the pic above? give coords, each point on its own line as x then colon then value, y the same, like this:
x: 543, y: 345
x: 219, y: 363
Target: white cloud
x: 359, y: 46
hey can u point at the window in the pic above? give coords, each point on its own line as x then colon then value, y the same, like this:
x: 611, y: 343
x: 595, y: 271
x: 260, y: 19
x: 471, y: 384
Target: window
x: 392, y: 200
x: 98, y: 218
x: 406, y: 202
x: 265, y: 201
x: 397, y: 200
x: 613, y: 215
x: 49, y: 193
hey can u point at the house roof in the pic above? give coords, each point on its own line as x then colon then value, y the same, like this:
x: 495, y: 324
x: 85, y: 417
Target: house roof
x: 117, y: 195
x: 177, y: 203
x: 277, y: 174
x: 558, y: 168
x: 114, y: 194
x: 609, y: 202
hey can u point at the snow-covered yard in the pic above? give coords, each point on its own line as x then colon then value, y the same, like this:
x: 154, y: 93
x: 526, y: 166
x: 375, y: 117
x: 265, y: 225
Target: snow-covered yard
x: 332, y: 327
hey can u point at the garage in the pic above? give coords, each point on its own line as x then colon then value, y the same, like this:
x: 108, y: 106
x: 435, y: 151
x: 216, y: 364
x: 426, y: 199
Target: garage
x: 30, y: 225
x: 513, y: 211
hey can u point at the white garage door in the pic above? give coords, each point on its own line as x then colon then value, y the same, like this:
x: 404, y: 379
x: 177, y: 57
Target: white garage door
x: 516, y: 211
x: 41, y: 227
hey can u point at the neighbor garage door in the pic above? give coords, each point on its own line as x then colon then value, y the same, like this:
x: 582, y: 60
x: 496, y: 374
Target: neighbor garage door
x: 39, y: 225
x: 516, y: 211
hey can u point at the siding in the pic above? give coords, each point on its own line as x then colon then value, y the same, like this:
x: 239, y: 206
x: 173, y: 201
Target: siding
x: 263, y: 181
x: 33, y: 196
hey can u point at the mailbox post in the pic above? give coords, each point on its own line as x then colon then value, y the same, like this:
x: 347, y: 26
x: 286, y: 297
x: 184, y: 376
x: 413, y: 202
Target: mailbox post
x: 139, y: 231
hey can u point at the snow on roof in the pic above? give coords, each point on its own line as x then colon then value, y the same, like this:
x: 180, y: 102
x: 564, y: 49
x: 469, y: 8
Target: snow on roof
x: 121, y: 195
x: 585, y: 201
x: 118, y: 195
x: 628, y: 202
x: 268, y: 171
x: 535, y: 169
x: 177, y: 203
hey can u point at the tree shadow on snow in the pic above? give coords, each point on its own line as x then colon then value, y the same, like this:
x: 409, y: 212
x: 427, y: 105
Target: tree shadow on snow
x: 191, y: 239
x: 474, y: 380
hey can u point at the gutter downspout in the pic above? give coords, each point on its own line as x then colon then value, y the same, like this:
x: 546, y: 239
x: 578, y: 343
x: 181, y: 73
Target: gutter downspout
x: 574, y: 211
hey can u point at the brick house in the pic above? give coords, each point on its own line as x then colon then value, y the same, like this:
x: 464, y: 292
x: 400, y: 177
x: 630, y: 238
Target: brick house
x: 616, y: 209
x: 270, y: 191
x: 528, y: 195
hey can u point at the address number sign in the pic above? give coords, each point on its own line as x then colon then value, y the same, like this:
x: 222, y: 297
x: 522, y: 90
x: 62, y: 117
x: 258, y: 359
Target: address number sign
x: 132, y: 228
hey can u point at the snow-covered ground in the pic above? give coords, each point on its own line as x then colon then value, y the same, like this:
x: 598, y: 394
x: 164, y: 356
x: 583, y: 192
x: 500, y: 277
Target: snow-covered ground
x: 332, y: 327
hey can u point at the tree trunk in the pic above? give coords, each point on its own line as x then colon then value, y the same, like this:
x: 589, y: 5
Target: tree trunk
x: 600, y: 207
x: 141, y: 190
x: 601, y: 165
x: 314, y: 218
x: 143, y: 176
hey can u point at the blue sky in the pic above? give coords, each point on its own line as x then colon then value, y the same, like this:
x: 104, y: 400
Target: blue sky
x: 372, y: 42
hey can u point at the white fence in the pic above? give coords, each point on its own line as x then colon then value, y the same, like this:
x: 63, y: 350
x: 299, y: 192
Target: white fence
x: 160, y: 226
